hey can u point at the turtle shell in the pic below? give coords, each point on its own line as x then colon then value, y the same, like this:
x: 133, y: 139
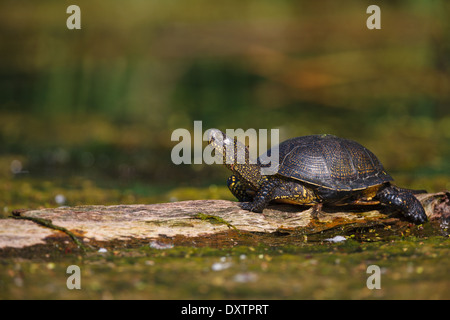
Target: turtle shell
x: 330, y: 162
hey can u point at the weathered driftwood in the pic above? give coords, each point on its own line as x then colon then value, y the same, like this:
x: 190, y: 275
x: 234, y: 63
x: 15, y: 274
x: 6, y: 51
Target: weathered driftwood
x: 185, y: 218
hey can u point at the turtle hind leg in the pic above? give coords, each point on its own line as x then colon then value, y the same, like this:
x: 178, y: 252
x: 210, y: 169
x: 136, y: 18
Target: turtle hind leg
x: 404, y: 201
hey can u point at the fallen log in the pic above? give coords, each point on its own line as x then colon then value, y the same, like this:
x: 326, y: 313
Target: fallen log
x: 87, y: 224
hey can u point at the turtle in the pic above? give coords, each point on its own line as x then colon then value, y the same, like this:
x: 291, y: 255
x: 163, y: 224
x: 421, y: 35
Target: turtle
x: 314, y: 170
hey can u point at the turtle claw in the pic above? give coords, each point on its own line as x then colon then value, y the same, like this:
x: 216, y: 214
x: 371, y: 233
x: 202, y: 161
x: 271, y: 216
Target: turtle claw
x: 250, y: 207
x: 418, y: 217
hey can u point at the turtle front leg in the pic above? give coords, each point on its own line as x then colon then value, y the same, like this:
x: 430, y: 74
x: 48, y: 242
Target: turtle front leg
x: 238, y: 189
x: 262, y: 197
x: 404, y: 201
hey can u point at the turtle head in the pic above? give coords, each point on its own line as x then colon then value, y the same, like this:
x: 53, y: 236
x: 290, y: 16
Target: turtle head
x: 236, y: 157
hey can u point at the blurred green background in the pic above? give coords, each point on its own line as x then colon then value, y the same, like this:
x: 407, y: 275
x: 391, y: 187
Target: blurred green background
x: 86, y: 115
